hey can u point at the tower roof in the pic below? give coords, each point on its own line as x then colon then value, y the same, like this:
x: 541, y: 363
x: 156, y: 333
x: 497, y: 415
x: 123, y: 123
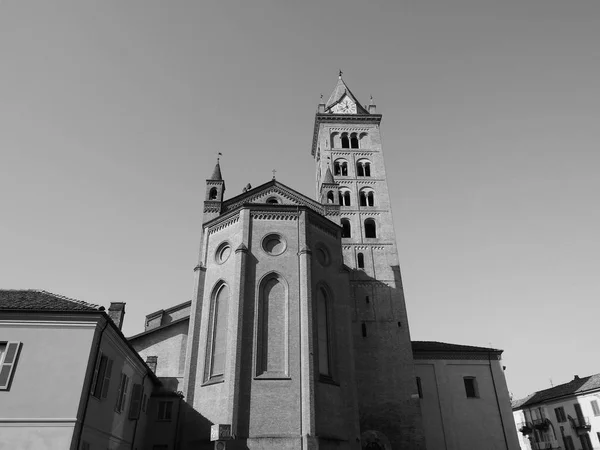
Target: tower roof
x: 328, y: 178
x: 216, y: 175
x: 341, y: 90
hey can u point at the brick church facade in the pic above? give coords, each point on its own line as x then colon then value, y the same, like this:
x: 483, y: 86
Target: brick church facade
x: 297, y: 335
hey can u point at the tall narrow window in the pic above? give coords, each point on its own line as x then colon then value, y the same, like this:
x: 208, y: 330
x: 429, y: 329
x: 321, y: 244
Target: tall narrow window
x: 9, y: 352
x: 272, y: 328
x: 122, y: 394
x: 361, y: 260
x: 419, y: 387
x: 363, y: 140
x: 212, y: 194
x: 595, y: 408
x: 102, y: 374
x: 346, y: 232
x: 218, y: 333
x: 330, y: 197
x: 353, y: 141
x: 345, y: 141
x: 323, y: 329
x: 471, y: 387
x: 335, y: 140
x: 370, y: 229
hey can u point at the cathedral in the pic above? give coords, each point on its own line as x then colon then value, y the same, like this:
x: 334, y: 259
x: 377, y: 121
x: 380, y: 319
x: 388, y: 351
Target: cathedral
x: 297, y: 335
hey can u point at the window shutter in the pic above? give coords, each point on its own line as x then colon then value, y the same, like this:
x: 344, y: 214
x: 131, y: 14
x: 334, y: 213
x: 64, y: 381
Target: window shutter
x: 124, y: 393
x: 135, y: 404
x: 8, y: 365
x: 95, y: 377
x: 118, y: 403
x: 106, y: 381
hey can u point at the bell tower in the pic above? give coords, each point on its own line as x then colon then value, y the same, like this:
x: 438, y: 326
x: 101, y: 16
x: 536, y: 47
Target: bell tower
x: 347, y: 147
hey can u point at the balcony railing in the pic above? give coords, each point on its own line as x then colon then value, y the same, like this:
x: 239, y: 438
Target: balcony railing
x: 526, y: 428
x: 581, y: 424
x: 541, y: 424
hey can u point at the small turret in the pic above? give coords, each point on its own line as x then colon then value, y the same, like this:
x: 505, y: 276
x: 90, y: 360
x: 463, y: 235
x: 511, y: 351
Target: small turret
x: 330, y: 190
x: 215, y: 189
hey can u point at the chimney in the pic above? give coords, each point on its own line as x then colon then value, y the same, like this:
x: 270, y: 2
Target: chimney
x: 576, y: 377
x: 116, y: 311
x: 152, y: 361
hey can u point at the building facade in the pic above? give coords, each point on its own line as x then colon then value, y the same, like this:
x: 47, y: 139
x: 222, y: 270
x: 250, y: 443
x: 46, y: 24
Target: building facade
x: 464, y: 398
x: 68, y: 378
x: 566, y: 416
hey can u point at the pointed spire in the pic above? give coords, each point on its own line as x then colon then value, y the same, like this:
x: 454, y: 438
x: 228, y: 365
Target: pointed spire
x: 341, y: 90
x: 216, y: 175
x: 328, y: 179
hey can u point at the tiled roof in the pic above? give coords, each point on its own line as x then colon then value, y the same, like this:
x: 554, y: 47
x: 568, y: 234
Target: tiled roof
x: 433, y: 346
x: 576, y: 386
x: 31, y: 299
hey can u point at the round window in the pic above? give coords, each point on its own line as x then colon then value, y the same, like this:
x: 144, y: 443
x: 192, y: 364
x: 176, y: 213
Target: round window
x: 274, y: 244
x: 322, y: 255
x: 223, y: 253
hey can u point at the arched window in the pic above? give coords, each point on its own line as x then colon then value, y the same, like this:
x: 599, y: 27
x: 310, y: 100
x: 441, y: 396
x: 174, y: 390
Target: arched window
x: 335, y: 140
x: 272, y: 355
x: 367, y: 197
x: 217, y: 343
x: 323, y: 330
x: 345, y: 140
x: 345, y: 228
x: 370, y: 229
x: 363, y: 168
x: 330, y: 198
x: 360, y: 258
x: 363, y: 140
x: 212, y: 195
x: 272, y: 201
x: 345, y: 197
x: 353, y: 141
x: 340, y: 167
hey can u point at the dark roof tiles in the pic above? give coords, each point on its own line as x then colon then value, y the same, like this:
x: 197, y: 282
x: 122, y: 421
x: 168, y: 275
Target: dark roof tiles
x: 573, y: 387
x: 31, y: 299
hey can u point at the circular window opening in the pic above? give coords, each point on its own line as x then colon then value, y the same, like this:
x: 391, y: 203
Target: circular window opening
x: 274, y: 244
x: 223, y: 253
x: 322, y: 255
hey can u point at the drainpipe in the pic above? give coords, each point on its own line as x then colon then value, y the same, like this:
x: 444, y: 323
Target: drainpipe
x: 89, y: 392
x: 497, y: 401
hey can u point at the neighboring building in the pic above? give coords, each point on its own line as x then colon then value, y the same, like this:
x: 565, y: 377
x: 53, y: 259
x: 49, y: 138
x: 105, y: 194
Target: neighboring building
x: 68, y: 377
x: 465, y: 403
x: 566, y: 416
x: 297, y: 334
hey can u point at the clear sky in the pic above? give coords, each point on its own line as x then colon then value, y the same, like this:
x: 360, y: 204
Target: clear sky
x: 111, y: 114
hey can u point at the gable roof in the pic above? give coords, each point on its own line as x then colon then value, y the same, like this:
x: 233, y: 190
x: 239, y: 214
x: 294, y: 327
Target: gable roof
x: 38, y: 300
x: 573, y: 387
x: 275, y: 187
x: 341, y: 90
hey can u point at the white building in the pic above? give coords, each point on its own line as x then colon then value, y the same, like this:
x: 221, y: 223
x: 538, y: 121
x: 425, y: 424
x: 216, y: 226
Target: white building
x: 565, y: 416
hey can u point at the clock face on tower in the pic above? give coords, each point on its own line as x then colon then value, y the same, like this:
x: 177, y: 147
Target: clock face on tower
x: 346, y: 106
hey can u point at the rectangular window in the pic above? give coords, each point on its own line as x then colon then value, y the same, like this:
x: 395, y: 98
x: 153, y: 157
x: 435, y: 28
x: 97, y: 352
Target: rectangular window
x: 144, y: 402
x: 569, y: 443
x: 122, y: 394
x: 101, y: 379
x: 595, y: 408
x: 471, y: 387
x: 598, y: 435
x: 586, y: 442
x: 136, y: 401
x: 419, y: 387
x: 165, y: 410
x: 560, y: 414
x: 9, y: 353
